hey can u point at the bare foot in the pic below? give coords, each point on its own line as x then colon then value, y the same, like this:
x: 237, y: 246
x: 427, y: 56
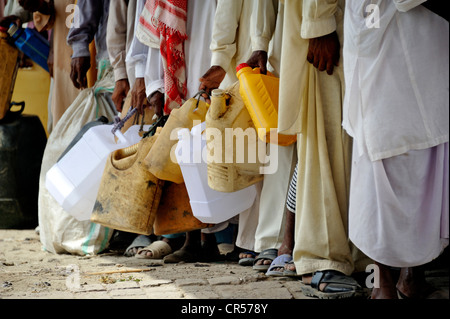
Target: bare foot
x: 386, y: 284
x: 412, y: 283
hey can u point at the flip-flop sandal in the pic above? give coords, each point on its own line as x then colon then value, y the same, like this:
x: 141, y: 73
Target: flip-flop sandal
x: 268, y: 254
x: 338, y: 285
x: 159, y: 249
x: 247, y: 261
x: 181, y: 255
x: 278, y: 263
x: 140, y: 241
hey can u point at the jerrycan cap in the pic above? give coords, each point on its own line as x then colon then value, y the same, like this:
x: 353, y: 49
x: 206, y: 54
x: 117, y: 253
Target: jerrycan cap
x: 13, y: 28
x: 217, y: 92
x: 241, y: 66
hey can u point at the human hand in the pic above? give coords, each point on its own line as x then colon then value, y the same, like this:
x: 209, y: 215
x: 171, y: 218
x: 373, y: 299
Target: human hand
x: 156, y: 101
x: 258, y: 59
x: 211, y: 80
x: 5, y: 22
x: 324, y: 52
x: 138, y: 95
x: 79, y: 69
x: 121, y: 89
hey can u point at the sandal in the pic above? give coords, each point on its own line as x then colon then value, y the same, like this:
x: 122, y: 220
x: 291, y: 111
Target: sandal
x: 247, y: 261
x: 277, y: 263
x: 268, y: 254
x: 159, y: 249
x: 338, y: 285
x: 140, y: 241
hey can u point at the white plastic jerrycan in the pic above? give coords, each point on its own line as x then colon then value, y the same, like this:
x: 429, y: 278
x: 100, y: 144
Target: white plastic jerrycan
x: 208, y: 205
x: 75, y: 179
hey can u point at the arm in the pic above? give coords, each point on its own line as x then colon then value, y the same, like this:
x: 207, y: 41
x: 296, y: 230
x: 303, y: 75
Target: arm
x: 88, y: 14
x: 116, y: 37
x: 154, y: 81
x: 223, y: 44
x: 263, y: 22
x: 136, y: 57
x: 319, y: 25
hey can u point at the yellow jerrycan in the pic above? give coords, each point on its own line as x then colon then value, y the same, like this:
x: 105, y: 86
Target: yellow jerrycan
x: 129, y: 195
x: 161, y: 160
x: 260, y: 95
x: 232, y: 143
x: 8, y: 71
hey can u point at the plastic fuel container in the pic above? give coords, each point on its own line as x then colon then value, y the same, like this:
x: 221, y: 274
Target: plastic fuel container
x: 208, y: 205
x: 232, y: 143
x: 30, y: 42
x: 260, y: 94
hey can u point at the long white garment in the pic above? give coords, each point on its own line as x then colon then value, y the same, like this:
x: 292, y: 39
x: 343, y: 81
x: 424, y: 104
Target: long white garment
x: 145, y: 62
x: 396, y: 73
x: 231, y: 44
x: 398, y: 213
x: 396, y: 108
x: 200, y: 22
x: 138, y: 52
x: 119, y: 36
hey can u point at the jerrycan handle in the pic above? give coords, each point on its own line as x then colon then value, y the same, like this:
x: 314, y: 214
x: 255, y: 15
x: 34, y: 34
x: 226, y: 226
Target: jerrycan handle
x: 256, y: 70
x: 198, y: 95
x: 119, y: 123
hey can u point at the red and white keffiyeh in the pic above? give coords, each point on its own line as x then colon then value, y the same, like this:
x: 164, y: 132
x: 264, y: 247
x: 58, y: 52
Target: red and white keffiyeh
x: 162, y: 24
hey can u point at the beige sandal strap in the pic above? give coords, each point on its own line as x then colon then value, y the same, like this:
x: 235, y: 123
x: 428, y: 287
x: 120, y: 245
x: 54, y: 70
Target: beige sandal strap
x: 159, y: 249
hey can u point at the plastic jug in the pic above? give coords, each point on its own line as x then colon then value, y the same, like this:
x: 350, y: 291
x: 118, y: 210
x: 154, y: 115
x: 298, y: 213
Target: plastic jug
x: 208, y: 205
x: 232, y: 143
x: 174, y: 213
x: 129, y: 195
x: 260, y: 95
x: 30, y: 42
x: 161, y: 161
x: 75, y: 179
x: 8, y: 71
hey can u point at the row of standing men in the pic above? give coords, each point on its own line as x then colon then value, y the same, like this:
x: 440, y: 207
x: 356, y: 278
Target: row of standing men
x: 366, y: 182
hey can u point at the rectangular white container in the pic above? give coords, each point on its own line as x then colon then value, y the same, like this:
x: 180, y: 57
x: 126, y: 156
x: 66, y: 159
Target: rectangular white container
x: 75, y: 179
x: 208, y: 205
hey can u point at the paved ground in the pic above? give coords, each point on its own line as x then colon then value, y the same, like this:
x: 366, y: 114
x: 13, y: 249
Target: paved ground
x: 27, y: 272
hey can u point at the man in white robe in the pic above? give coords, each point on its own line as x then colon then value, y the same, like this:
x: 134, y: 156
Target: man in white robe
x: 311, y: 105
x: 397, y: 110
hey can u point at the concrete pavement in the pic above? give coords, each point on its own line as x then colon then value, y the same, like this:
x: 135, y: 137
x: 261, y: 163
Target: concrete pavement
x: 27, y: 272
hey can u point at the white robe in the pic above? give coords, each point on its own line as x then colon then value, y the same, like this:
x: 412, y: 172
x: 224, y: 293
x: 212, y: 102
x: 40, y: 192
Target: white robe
x: 396, y: 74
x: 396, y: 108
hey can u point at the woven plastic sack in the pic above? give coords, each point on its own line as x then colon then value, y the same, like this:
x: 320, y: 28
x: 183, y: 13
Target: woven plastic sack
x: 59, y: 231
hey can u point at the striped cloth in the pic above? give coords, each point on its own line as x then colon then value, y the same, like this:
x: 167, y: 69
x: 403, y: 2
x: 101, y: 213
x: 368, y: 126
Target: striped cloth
x: 291, y: 199
x: 162, y: 24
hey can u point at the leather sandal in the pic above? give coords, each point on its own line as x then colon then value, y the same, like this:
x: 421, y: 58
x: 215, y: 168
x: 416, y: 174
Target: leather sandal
x: 338, y: 285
